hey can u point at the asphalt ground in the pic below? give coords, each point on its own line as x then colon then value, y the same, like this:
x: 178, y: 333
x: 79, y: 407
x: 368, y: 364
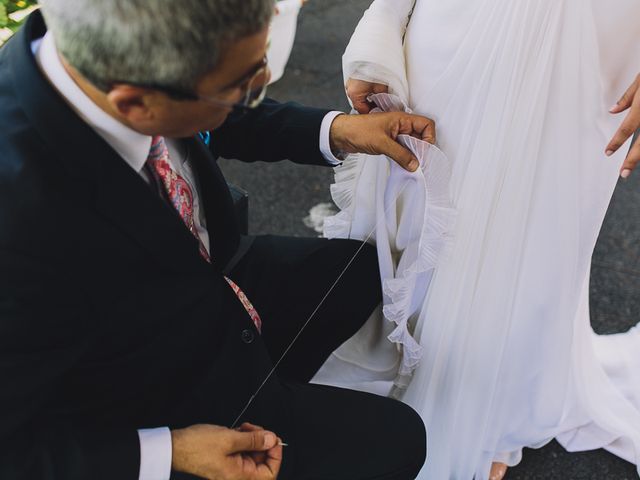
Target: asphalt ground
x: 281, y: 196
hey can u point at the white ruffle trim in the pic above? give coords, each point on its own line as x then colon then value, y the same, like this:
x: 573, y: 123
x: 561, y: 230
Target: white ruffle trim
x: 437, y: 222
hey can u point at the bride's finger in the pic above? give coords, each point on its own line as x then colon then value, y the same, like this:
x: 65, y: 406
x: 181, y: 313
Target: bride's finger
x: 627, y: 99
x: 380, y: 88
x: 629, y: 126
x: 360, y: 104
x: 631, y: 161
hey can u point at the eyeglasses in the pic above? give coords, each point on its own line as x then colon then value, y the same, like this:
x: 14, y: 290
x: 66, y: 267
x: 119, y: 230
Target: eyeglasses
x: 252, y: 96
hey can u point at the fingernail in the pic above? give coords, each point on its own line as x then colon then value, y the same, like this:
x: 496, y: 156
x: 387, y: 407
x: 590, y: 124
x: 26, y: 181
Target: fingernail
x: 269, y: 440
x: 608, y: 153
x: 612, y: 109
x: 413, y: 165
x: 625, y: 173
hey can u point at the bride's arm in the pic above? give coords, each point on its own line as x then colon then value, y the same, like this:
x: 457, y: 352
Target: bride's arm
x: 375, y: 53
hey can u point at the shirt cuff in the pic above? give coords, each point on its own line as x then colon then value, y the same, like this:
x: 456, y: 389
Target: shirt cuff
x: 155, y: 454
x: 325, y: 141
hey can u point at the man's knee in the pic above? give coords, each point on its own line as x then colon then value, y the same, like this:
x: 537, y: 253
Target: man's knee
x: 419, y: 439
x: 414, y: 438
x: 363, y: 250
x: 361, y: 258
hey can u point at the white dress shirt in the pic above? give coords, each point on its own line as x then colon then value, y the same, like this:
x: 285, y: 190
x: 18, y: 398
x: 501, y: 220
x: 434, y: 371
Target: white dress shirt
x: 134, y: 147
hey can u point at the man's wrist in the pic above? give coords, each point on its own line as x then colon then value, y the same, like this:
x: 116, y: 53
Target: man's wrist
x: 337, y: 138
x: 177, y: 449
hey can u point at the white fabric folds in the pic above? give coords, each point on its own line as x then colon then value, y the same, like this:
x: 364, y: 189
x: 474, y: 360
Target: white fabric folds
x: 520, y: 92
x: 410, y: 225
x: 282, y: 36
x: 379, y: 58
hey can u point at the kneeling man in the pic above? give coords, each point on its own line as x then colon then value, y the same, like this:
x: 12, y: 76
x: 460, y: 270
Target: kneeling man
x: 136, y: 324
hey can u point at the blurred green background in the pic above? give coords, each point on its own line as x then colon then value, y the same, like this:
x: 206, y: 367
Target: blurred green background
x: 12, y: 14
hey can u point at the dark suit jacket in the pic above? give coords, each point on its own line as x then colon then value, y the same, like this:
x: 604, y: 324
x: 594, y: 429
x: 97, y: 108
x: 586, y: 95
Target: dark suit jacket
x: 110, y: 321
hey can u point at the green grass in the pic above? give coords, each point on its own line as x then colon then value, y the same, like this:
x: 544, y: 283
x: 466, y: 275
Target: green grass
x: 12, y: 14
x: 9, y: 11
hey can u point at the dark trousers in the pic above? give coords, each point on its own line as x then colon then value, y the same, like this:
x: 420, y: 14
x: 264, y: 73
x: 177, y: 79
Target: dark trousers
x: 341, y: 434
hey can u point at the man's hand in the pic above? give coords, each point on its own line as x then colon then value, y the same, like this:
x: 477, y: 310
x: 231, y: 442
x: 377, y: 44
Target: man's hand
x: 376, y: 134
x: 629, y: 101
x: 358, y: 91
x: 217, y: 453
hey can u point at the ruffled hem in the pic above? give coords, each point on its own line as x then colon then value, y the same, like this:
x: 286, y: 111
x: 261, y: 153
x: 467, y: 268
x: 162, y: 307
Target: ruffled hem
x: 343, y: 195
x: 436, y: 234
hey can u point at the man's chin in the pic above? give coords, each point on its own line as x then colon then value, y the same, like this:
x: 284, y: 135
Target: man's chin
x: 192, y: 132
x: 189, y: 134
x: 218, y: 124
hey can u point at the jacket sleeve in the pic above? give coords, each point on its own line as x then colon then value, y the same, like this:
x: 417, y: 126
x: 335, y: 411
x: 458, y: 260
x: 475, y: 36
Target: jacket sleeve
x: 272, y: 132
x: 45, y: 327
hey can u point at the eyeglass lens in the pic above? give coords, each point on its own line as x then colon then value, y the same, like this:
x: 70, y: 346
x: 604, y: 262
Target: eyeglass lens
x: 257, y: 88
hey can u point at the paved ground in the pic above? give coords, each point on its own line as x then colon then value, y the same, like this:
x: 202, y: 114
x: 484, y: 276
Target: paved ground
x: 281, y: 196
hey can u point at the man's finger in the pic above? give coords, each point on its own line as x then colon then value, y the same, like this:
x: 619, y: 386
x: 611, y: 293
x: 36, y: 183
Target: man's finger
x: 250, y: 427
x: 274, y: 459
x: 429, y: 133
x: 425, y: 129
x: 419, y: 127
x: 265, y: 472
x: 255, y: 471
x: 257, y: 457
x: 257, y: 441
x: 263, y: 469
x: 400, y: 155
x: 627, y: 99
x: 632, y: 160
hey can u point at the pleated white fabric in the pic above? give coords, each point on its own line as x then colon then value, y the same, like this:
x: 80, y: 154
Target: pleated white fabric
x: 520, y: 91
x: 410, y: 222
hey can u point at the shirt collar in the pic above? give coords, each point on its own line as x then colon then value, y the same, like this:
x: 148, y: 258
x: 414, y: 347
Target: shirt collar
x: 132, y: 146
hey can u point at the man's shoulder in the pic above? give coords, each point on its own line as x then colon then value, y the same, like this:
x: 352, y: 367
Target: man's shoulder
x: 34, y: 191
x: 21, y: 146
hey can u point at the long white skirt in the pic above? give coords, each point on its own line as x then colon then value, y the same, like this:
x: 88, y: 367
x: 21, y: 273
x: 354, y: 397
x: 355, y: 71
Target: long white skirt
x: 520, y: 91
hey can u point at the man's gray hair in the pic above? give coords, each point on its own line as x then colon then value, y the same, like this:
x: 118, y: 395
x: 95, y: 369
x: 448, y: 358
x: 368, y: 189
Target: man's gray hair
x: 170, y: 43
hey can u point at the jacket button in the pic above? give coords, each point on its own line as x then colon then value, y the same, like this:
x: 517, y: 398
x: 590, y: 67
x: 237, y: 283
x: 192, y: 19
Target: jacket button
x: 247, y: 336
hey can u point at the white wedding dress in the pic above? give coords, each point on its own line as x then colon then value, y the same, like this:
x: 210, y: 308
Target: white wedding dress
x: 489, y: 338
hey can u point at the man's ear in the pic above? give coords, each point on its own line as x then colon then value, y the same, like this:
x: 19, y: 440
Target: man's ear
x: 132, y: 103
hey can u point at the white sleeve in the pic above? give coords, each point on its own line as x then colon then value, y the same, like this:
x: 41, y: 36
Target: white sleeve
x: 325, y: 139
x: 376, y: 52
x: 155, y: 454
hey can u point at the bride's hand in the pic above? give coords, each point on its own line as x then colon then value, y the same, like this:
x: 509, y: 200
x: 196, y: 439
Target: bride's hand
x: 359, y: 90
x: 629, y: 101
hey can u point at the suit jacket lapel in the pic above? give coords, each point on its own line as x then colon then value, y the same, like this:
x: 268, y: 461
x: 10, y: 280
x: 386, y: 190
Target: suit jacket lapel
x: 128, y: 202
x: 217, y: 202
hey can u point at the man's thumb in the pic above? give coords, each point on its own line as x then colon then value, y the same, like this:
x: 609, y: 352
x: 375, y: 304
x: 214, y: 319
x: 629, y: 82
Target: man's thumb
x: 401, y: 155
x: 252, y: 441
